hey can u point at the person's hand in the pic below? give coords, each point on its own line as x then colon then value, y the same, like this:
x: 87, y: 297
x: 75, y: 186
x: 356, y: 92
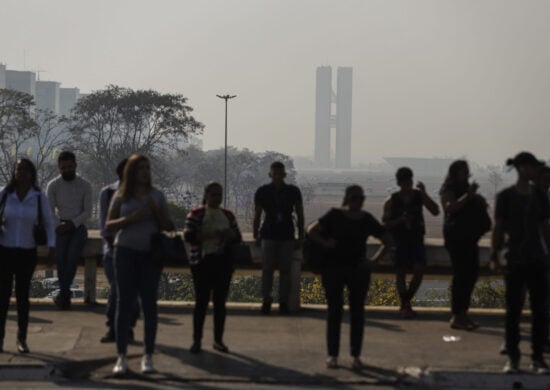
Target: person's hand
x: 421, y: 187
x: 65, y: 227
x: 139, y: 215
x: 110, y: 241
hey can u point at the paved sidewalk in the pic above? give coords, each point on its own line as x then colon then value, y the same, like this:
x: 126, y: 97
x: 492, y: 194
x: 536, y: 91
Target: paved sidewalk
x: 265, y: 351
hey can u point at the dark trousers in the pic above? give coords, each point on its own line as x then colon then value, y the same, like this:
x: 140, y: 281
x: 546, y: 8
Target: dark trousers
x: 516, y: 278
x: 20, y: 263
x: 110, y: 311
x: 68, y: 249
x: 136, y: 275
x: 464, y: 256
x: 357, y: 280
x: 212, y: 275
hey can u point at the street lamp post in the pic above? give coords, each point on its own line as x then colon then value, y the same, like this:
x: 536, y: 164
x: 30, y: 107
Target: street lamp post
x: 226, y: 98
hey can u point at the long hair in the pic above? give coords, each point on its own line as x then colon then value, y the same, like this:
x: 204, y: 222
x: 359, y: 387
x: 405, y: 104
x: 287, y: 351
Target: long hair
x: 454, y: 171
x: 349, y: 190
x: 128, y: 185
x: 10, y: 187
x: 209, y: 188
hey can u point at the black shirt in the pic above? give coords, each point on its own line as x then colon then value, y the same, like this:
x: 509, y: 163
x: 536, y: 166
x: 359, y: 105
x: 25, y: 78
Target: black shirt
x: 413, y: 231
x: 523, y: 216
x: 278, y: 205
x: 350, y: 234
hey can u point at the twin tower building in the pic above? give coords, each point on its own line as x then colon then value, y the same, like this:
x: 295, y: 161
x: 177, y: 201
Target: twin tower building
x: 333, y: 111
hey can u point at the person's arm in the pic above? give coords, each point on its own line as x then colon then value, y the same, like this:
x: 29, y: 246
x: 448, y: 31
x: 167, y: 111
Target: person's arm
x: 50, y: 194
x: 381, y: 233
x: 103, y: 209
x: 386, y: 216
x: 497, y: 243
x: 451, y: 204
x: 256, y: 222
x: 161, y: 213
x: 87, y: 206
x: 315, y: 232
x: 427, y: 201
x: 299, y: 209
x: 115, y: 222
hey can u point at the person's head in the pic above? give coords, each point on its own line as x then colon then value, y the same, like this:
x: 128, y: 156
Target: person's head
x: 137, y: 174
x: 526, y: 164
x: 404, y: 178
x: 66, y: 163
x: 544, y: 179
x: 120, y: 169
x: 213, y: 195
x: 24, y: 173
x: 277, y: 172
x: 354, y: 197
x: 459, y: 173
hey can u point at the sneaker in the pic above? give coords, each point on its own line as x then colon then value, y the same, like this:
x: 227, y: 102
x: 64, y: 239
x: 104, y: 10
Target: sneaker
x: 511, y: 366
x: 121, y: 366
x: 357, y: 363
x: 460, y: 324
x: 283, y: 308
x: 220, y: 346
x: 195, y: 347
x: 332, y: 362
x: 266, y: 308
x: 22, y: 346
x: 539, y: 366
x: 109, y: 337
x: 147, y: 364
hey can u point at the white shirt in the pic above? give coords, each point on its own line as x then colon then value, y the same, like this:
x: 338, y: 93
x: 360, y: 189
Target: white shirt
x: 20, y: 218
x: 70, y: 200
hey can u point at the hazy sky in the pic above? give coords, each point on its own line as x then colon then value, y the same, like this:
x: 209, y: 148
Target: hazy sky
x: 431, y: 77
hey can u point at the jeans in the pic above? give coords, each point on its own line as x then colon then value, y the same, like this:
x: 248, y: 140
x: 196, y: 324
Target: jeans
x: 20, y: 263
x: 357, y: 280
x: 516, y: 278
x: 68, y: 249
x: 212, y: 275
x: 110, y: 311
x: 465, y: 263
x: 135, y: 274
x: 276, y: 252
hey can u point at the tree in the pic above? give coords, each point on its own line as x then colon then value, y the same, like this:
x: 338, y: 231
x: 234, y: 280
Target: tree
x: 495, y: 177
x: 17, y: 126
x: 108, y: 125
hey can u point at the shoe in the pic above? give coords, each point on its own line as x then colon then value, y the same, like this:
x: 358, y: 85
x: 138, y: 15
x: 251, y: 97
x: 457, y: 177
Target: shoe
x: 511, y: 366
x: 147, y: 364
x: 220, y: 346
x: 460, y: 324
x: 266, y: 308
x: 131, y: 336
x: 196, y: 347
x: 22, y: 346
x: 357, y: 363
x: 502, y: 350
x: 283, y: 308
x: 539, y: 366
x: 109, y: 337
x: 332, y: 362
x: 472, y: 324
x: 121, y: 366
x: 407, y: 312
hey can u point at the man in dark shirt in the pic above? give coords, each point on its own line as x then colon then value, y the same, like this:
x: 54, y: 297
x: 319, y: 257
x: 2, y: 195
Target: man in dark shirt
x: 521, y: 214
x: 278, y: 201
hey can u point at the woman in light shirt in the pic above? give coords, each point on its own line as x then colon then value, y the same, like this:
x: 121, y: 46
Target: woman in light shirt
x: 211, y: 230
x: 21, y: 201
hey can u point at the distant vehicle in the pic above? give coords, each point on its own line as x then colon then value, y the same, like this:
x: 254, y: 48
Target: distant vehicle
x: 75, y: 293
x: 54, y: 283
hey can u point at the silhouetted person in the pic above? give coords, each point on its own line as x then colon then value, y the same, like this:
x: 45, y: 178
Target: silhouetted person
x: 404, y: 218
x: 137, y: 212
x: 344, y: 232
x: 105, y: 197
x: 22, y: 205
x: 466, y: 220
x: 70, y: 199
x: 522, y: 214
x: 278, y: 201
x: 211, y: 230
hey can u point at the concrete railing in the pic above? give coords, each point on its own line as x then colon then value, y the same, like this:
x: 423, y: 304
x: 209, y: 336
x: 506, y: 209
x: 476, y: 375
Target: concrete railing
x: 438, y: 263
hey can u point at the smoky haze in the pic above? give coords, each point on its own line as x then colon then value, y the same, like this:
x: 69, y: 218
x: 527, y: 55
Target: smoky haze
x: 430, y: 78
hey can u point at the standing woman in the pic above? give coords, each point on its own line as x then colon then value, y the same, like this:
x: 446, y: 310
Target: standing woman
x: 344, y: 232
x: 137, y: 212
x: 21, y: 201
x: 211, y: 230
x: 466, y: 220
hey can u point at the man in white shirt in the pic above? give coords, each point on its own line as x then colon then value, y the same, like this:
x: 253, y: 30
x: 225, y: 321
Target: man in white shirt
x: 70, y: 198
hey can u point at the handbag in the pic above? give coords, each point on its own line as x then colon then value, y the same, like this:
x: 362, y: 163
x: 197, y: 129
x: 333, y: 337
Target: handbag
x: 39, y: 230
x: 168, y: 249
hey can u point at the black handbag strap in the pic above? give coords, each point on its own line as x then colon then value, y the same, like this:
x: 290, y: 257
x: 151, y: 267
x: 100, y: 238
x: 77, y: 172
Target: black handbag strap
x: 39, y: 200
x: 3, y: 203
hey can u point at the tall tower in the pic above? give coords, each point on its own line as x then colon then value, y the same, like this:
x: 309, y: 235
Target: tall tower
x: 340, y: 120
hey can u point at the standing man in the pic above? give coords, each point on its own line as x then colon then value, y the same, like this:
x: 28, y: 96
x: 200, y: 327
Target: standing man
x: 70, y: 198
x: 404, y: 218
x: 278, y: 201
x: 105, y: 196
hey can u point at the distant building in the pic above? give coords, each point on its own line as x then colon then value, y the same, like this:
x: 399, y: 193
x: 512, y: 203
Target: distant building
x: 2, y: 76
x: 432, y: 167
x: 47, y: 96
x: 67, y: 100
x: 325, y: 120
x: 22, y: 81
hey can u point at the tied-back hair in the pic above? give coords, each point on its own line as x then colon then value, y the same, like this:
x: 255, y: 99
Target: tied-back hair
x: 349, y: 190
x: 128, y: 185
x: 209, y: 188
x: 454, y: 169
x: 10, y: 187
